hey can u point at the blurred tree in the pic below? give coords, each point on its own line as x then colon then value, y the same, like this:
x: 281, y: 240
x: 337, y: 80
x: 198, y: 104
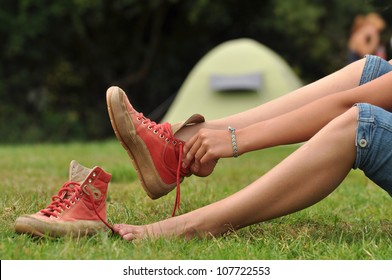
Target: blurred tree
x: 58, y: 57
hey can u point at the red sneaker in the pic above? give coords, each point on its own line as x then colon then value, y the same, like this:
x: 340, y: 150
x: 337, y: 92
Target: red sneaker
x: 155, y: 153
x: 78, y: 209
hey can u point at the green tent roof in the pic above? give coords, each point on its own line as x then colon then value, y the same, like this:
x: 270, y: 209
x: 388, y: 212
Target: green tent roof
x: 235, y: 76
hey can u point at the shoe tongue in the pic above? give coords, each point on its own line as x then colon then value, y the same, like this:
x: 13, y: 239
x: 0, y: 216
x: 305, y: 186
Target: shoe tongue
x: 192, y: 120
x: 77, y: 172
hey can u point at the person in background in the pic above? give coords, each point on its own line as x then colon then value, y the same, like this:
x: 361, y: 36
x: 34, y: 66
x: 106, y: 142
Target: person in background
x: 365, y: 37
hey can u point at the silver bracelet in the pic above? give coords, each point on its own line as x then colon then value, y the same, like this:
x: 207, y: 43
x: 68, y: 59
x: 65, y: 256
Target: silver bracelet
x: 233, y: 141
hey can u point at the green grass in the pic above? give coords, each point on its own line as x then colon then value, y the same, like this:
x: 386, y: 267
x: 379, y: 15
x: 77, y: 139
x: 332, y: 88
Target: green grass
x: 353, y: 223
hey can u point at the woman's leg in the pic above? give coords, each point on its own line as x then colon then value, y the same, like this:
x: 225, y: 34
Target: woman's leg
x: 295, y: 126
x: 343, y: 79
x: 302, y: 179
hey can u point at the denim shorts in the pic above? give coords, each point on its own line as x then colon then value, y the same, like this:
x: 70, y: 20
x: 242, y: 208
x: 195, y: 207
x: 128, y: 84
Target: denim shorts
x: 374, y: 132
x: 374, y: 67
x: 374, y: 145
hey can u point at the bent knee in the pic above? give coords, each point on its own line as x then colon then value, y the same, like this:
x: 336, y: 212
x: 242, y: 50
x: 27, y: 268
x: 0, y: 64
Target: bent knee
x: 350, y: 116
x: 352, y: 112
x: 344, y: 124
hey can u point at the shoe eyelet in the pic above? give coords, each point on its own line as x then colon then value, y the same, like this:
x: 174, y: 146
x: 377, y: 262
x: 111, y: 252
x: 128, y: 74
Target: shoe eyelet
x: 72, y: 202
x: 67, y: 207
x: 167, y: 140
x: 155, y: 131
x: 144, y: 123
x: 161, y: 136
x: 149, y: 127
x: 90, y: 180
x: 94, y: 174
x: 139, y: 118
x: 174, y: 142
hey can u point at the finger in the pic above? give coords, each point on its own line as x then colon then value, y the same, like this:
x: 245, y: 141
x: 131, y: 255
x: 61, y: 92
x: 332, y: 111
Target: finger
x: 190, y: 156
x: 198, y: 156
x: 185, y: 151
x: 207, y: 157
x: 188, y: 145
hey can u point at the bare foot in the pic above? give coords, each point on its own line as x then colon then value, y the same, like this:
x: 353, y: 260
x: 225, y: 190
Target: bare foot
x: 130, y: 232
x: 172, y: 227
x: 165, y: 228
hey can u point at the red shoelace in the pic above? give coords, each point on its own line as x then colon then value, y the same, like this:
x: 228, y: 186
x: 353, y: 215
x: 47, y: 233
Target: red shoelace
x: 68, y: 195
x: 178, y: 181
x: 164, y: 131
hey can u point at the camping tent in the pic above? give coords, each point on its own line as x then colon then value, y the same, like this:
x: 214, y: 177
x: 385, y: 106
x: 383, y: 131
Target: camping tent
x: 235, y: 76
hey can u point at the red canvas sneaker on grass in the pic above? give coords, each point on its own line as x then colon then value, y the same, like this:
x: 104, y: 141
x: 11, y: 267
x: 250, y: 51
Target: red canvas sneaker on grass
x: 154, y: 150
x: 78, y: 209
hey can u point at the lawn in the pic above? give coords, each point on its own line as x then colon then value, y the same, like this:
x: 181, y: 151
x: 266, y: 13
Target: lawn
x: 353, y: 223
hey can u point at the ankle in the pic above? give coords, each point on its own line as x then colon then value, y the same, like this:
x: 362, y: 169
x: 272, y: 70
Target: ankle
x: 201, y: 226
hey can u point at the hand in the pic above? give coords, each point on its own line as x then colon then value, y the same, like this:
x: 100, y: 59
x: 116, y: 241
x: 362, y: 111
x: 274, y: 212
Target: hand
x: 205, y: 146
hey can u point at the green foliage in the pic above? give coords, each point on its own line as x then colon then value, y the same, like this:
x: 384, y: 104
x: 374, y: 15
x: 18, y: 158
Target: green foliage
x: 57, y: 58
